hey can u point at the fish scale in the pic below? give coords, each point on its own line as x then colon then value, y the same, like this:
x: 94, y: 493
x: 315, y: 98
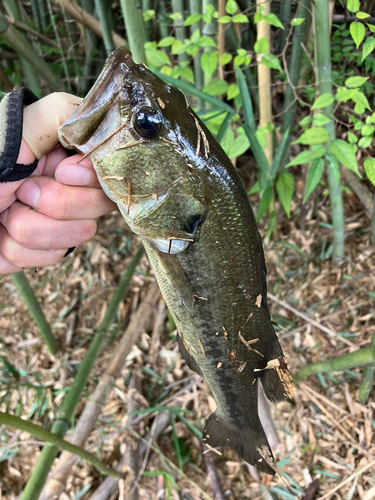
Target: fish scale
x: 177, y: 189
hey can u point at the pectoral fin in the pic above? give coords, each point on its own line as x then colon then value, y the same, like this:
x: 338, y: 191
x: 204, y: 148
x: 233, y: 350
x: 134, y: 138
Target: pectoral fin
x: 176, y: 276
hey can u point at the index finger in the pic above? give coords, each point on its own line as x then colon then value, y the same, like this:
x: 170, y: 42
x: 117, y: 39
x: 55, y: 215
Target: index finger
x: 42, y: 119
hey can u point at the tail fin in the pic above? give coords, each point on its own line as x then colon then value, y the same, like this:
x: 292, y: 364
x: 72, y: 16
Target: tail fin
x: 250, y: 443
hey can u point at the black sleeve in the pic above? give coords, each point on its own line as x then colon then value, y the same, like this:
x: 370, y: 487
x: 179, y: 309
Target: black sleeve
x: 11, y: 121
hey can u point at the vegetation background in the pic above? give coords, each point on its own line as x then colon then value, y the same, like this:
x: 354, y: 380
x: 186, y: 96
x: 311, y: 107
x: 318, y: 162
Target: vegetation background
x: 287, y: 89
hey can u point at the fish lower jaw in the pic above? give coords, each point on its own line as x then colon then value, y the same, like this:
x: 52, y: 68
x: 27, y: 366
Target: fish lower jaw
x: 171, y: 246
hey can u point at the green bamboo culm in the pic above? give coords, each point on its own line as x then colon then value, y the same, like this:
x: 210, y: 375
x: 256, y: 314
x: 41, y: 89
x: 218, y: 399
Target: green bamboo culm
x: 290, y: 104
x: 178, y: 23
x: 39, y: 475
x: 101, y: 9
x: 324, y: 75
x: 285, y: 10
x: 372, y: 234
x: 46, y: 436
x: 368, y: 375
x: 134, y: 29
x: 195, y: 7
x: 33, y: 306
x: 345, y: 362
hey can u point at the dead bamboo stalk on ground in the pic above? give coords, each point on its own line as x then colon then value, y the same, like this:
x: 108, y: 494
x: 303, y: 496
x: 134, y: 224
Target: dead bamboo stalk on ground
x: 87, y: 20
x: 85, y: 424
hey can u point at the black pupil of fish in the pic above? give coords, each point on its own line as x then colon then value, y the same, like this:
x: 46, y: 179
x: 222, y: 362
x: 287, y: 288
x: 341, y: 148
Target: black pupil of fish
x: 148, y: 122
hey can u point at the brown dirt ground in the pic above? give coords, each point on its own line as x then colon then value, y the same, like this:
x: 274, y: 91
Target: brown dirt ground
x: 324, y: 432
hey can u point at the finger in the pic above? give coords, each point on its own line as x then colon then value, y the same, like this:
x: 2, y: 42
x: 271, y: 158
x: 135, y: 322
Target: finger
x: 42, y: 119
x: 69, y: 171
x: 6, y: 267
x: 19, y: 257
x: 36, y: 231
x: 61, y: 202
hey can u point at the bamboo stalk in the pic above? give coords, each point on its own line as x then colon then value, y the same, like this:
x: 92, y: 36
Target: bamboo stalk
x: 93, y: 407
x: 61, y: 425
x: 221, y: 37
x: 134, y: 29
x: 147, y: 5
x: 178, y: 8
x: 345, y: 362
x: 46, y: 436
x: 290, y: 103
x: 209, y: 29
x: 162, y: 19
x: 195, y: 7
x: 367, y: 381
x: 264, y: 81
x: 285, y: 10
x: 101, y: 9
x: 87, y: 20
x: 324, y: 76
x: 33, y: 32
x: 14, y: 39
x: 33, y: 306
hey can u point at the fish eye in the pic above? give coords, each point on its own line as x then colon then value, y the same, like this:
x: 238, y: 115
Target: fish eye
x: 148, y: 122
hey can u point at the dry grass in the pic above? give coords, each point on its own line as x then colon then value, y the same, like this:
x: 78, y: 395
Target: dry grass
x: 324, y: 432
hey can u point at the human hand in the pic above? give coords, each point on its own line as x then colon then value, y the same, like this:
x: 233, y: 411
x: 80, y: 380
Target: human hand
x: 55, y: 208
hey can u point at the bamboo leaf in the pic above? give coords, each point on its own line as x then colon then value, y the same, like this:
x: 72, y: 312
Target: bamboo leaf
x: 264, y: 201
x: 315, y: 135
x: 307, y: 156
x: 345, y: 155
x: 355, y: 81
x: 323, y: 101
x: 285, y: 189
x: 279, y: 155
x: 357, y: 30
x: 313, y: 177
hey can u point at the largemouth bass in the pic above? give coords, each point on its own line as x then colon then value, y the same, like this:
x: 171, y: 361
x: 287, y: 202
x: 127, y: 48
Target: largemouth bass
x: 176, y: 188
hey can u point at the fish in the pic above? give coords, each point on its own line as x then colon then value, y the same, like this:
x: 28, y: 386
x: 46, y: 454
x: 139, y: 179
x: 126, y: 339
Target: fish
x: 177, y: 189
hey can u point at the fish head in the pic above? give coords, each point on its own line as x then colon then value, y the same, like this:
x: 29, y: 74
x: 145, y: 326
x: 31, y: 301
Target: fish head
x: 139, y: 132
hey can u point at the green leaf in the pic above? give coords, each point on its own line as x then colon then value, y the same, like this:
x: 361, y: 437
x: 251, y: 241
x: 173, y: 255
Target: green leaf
x: 364, y: 142
x: 264, y: 201
x: 225, y: 58
x: 297, y: 21
x: 353, y: 6
x: 368, y: 47
x: 209, y: 62
x: 345, y: 155
x: 323, y: 101
x: 187, y: 74
x: 314, y: 135
x: 240, y: 60
x: 176, y: 16
x: 196, y: 35
x: 216, y: 87
x: 313, y: 177
x: 371, y: 27
x: 273, y: 21
x: 254, y: 189
x: 355, y: 81
x: 368, y: 130
x: 360, y: 98
x: 306, y: 121
x: 206, y: 41
x: 307, y: 156
x: 233, y: 91
x: 357, y: 30
x: 224, y: 20
x: 343, y: 94
x: 261, y: 46
x: 320, y: 119
x: 240, y: 18
x: 369, y: 166
x: 148, y: 15
x: 352, y: 138
x: 285, y: 189
x: 167, y: 41
x: 362, y: 15
x: 231, y: 7
x: 192, y: 19
x: 272, y: 62
x: 261, y: 135
x: 157, y: 58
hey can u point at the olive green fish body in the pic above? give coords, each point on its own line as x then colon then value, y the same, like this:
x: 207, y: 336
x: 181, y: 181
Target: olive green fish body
x: 177, y: 189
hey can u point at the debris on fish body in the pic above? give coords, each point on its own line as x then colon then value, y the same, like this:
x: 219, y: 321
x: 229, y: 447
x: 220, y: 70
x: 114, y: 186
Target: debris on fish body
x: 178, y: 190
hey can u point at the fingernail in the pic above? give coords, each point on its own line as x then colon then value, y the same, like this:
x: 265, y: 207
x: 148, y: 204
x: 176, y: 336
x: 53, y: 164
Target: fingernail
x: 29, y: 193
x: 73, y: 175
